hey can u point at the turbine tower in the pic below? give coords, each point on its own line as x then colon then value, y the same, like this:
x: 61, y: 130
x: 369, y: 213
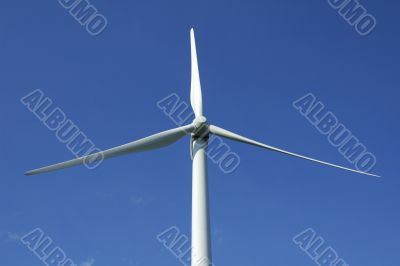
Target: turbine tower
x: 198, y: 132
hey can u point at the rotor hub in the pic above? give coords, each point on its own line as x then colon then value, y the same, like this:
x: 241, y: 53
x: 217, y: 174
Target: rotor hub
x: 200, y: 120
x: 201, y: 127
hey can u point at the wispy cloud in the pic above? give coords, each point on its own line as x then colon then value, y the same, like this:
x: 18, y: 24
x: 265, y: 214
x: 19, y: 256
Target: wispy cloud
x: 136, y: 200
x: 13, y: 236
x: 89, y: 262
x: 130, y: 262
x: 10, y: 236
x: 218, y: 234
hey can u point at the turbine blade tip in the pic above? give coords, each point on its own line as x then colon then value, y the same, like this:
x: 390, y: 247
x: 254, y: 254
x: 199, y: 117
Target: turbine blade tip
x: 370, y: 174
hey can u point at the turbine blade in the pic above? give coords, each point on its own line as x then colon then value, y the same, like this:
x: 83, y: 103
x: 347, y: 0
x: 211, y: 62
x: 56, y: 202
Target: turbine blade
x: 195, y: 88
x: 230, y: 135
x: 155, y: 141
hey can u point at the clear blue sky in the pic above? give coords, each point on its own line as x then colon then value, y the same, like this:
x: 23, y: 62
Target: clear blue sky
x: 255, y: 59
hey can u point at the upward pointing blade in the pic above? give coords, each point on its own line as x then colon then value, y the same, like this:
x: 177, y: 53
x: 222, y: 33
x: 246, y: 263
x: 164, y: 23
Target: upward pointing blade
x: 152, y: 142
x: 195, y: 88
x: 230, y: 135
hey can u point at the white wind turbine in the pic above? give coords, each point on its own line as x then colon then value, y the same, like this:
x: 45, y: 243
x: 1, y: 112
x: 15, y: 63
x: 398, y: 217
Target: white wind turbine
x: 198, y: 131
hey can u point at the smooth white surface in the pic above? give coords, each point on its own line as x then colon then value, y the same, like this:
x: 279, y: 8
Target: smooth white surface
x: 195, y: 87
x: 201, y: 242
x: 152, y: 142
x: 233, y: 136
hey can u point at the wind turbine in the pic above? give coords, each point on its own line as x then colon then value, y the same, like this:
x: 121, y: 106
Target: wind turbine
x: 198, y: 131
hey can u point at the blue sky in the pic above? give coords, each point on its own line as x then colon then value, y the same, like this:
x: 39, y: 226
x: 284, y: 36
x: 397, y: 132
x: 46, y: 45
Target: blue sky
x: 255, y: 59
